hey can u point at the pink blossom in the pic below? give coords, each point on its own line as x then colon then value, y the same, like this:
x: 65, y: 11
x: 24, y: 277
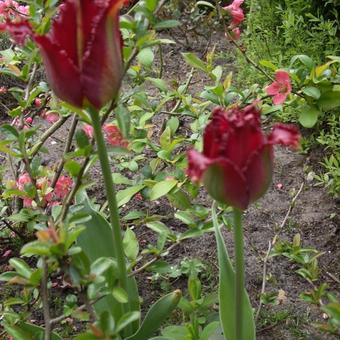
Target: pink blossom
x: 236, y: 33
x: 236, y: 12
x: 26, y: 122
x: 63, y: 186
x: 280, y: 88
x: 3, y: 90
x: 113, y: 135
x: 23, y: 180
x: 50, y: 116
x: 37, y: 102
x: 7, y: 253
x: 88, y: 129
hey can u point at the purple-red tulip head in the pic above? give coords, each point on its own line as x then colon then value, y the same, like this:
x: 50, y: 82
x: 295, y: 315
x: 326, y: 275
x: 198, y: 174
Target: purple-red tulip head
x: 236, y: 164
x: 82, y: 52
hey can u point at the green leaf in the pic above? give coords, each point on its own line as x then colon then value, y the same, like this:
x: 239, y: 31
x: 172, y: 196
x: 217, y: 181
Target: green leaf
x: 126, y: 319
x: 125, y: 195
x: 194, y: 61
x: 146, y: 57
x: 312, y: 91
x: 26, y: 331
x: 209, y: 332
x: 205, y: 3
x: 124, y: 120
x: 102, y: 264
x: 176, y: 332
x: 304, y: 59
x: 159, y: 83
x: 329, y: 100
x: 227, y: 292
x: 159, y: 227
x: 165, y: 138
x: 308, y: 115
x: 268, y: 64
x: 167, y: 24
x: 131, y: 246
x: 156, y: 315
x: 120, y: 295
x: 21, y: 267
x: 35, y: 248
x: 72, y: 167
x: 162, y: 188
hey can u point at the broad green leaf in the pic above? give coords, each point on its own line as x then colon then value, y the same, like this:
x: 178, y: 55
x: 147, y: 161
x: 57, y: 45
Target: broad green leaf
x: 131, y: 246
x: 21, y: 267
x: 165, y: 138
x: 125, y: 195
x: 72, y: 167
x: 146, y: 57
x: 308, y: 115
x: 159, y: 83
x: 194, y: 61
x: 162, y: 188
x: 156, y: 315
x: 329, y: 100
x: 210, y: 332
x: 304, y: 59
x: 27, y: 331
x: 101, y: 265
x: 176, y: 332
x: 312, y: 91
x: 227, y: 292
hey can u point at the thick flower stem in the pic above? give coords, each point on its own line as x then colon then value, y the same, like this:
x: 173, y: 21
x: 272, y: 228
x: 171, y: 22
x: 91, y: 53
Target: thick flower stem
x: 239, y: 269
x: 111, y: 198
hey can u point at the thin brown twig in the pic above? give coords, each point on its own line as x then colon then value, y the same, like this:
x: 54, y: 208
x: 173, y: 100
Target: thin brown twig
x: 66, y: 150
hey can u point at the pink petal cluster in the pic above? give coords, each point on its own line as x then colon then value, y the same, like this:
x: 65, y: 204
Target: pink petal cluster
x: 112, y: 134
x: 237, y: 17
x: 50, y: 116
x: 280, y: 88
x: 48, y: 196
x: 27, y: 122
x: 10, y: 9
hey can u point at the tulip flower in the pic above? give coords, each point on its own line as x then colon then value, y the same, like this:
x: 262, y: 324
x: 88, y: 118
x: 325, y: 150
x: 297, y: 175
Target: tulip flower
x: 237, y: 160
x: 280, y: 88
x: 82, y: 52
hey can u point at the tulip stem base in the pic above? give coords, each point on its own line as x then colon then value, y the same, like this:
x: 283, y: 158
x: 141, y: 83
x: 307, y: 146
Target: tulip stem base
x: 239, y: 270
x: 111, y: 198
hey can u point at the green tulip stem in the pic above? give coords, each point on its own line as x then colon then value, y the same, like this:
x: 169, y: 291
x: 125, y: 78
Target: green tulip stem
x: 239, y: 269
x: 111, y: 198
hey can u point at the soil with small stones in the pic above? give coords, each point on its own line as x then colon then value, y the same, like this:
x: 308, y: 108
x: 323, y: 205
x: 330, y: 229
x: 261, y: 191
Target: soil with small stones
x: 314, y: 216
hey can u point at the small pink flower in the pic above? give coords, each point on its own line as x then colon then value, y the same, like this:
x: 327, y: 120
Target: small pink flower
x: 63, y: 186
x: 26, y: 121
x: 23, y: 180
x: 3, y: 90
x: 37, y: 102
x: 50, y: 116
x: 280, y: 88
x: 88, y: 129
x: 113, y: 135
x: 236, y: 12
x: 236, y: 33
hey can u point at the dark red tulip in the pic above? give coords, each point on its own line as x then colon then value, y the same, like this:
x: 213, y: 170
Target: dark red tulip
x: 82, y: 52
x: 237, y: 159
